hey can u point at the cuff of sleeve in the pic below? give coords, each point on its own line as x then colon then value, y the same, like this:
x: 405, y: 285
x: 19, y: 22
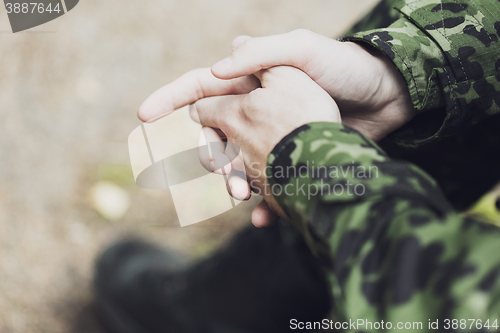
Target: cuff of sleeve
x: 415, y: 55
x: 322, y: 161
x: 418, y: 59
x: 445, y: 52
x: 321, y: 173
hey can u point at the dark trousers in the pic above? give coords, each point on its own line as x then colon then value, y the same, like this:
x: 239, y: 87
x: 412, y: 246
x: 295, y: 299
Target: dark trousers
x: 260, y: 281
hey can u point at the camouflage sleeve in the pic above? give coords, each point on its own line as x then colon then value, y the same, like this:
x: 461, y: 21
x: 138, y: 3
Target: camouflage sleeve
x: 448, y: 53
x: 394, y: 249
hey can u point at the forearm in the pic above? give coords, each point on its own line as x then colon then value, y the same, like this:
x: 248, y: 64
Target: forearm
x: 393, y: 246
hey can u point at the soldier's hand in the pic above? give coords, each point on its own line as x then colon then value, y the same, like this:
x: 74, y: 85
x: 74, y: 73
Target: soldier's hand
x: 371, y: 93
x: 257, y: 121
x: 368, y: 88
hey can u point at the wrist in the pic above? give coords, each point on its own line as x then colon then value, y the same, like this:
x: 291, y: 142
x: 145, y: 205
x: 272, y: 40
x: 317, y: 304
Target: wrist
x: 394, y: 88
x: 390, y: 102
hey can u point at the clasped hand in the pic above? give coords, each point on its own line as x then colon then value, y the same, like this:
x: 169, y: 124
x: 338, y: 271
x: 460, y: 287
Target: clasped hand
x: 271, y: 85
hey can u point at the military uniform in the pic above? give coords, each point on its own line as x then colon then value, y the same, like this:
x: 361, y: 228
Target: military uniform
x: 393, y: 246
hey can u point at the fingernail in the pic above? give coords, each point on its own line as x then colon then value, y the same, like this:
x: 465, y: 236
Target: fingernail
x: 234, y: 195
x: 223, y: 65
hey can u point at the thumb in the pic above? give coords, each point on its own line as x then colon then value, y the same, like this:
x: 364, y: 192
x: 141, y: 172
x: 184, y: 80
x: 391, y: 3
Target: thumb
x: 251, y: 55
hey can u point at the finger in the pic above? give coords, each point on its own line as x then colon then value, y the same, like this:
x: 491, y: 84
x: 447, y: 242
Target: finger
x: 212, y: 152
x: 263, y: 216
x: 220, y: 163
x: 239, y: 188
x: 221, y: 111
x: 280, y: 74
x: 227, y: 161
x: 203, y: 151
x: 291, y: 49
x: 189, y: 88
x: 239, y: 40
x: 194, y: 116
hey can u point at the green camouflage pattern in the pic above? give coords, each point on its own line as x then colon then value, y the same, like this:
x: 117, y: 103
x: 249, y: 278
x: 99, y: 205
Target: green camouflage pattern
x: 381, y: 16
x: 449, y: 55
x: 487, y: 209
x: 473, y: 149
x: 395, y: 251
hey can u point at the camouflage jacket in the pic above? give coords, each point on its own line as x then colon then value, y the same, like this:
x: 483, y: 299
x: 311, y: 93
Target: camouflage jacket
x: 395, y: 250
x: 449, y: 55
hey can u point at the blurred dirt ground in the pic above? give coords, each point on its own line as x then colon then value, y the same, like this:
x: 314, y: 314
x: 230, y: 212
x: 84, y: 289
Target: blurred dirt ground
x: 69, y: 91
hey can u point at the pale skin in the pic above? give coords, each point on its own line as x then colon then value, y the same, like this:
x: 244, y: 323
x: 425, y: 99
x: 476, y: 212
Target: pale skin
x: 271, y: 85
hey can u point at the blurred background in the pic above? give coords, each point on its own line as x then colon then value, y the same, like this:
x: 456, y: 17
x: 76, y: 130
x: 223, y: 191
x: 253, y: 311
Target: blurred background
x: 69, y: 91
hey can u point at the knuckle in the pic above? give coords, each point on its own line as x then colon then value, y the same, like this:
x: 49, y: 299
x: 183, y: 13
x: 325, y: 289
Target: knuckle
x: 197, y: 76
x: 251, y: 101
x: 193, y: 113
x: 199, y: 105
x: 251, y: 105
x: 201, y: 111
